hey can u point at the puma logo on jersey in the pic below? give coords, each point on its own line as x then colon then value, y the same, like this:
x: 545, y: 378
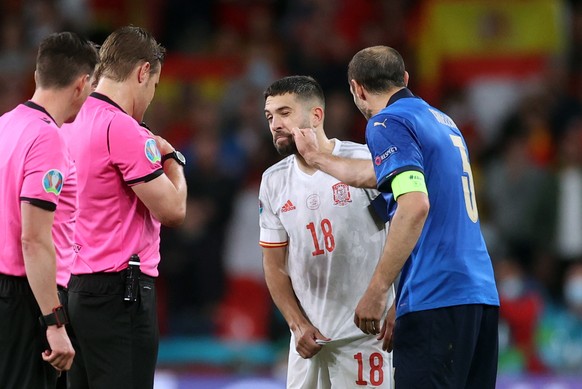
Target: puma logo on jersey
x: 383, y: 124
x: 288, y: 206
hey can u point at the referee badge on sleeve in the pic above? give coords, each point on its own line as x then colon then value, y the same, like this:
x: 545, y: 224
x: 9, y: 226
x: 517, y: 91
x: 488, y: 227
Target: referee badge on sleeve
x: 151, y: 151
x: 52, y: 181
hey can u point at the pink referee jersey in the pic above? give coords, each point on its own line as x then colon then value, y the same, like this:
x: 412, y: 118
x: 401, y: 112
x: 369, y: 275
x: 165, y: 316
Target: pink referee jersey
x: 37, y: 169
x: 113, y: 152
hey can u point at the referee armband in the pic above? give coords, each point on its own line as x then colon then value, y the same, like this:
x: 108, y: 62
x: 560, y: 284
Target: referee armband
x: 408, y: 181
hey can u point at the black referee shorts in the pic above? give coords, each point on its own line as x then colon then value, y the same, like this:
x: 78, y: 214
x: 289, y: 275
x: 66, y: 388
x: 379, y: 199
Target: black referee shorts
x: 117, y: 340
x: 22, y: 339
x: 447, y: 348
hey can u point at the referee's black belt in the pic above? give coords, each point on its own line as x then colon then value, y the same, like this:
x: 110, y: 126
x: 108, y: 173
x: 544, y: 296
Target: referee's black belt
x: 104, y: 282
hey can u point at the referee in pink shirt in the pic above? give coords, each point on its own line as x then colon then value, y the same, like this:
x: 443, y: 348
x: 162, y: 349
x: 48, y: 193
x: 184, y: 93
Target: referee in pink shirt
x: 39, y: 199
x: 129, y: 181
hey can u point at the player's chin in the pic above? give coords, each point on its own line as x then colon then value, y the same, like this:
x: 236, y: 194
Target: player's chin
x: 285, y: 148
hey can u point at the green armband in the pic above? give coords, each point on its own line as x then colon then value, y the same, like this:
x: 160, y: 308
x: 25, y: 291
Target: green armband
x: 409, y: 181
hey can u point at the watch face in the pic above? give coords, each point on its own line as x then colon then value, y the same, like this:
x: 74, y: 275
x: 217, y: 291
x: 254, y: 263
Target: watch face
x: 180, y: 157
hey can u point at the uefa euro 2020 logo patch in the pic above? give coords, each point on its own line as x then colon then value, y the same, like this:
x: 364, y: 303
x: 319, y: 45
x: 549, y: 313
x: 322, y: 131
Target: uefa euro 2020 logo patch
x: 151, y: 151
x: 52, y: 181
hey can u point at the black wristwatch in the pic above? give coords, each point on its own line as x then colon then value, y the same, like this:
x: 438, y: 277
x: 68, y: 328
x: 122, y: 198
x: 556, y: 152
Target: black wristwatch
x: 178, y: 156
x: 58, y: 317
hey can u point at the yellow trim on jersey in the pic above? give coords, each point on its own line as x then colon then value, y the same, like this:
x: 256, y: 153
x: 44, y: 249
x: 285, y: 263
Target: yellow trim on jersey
x: 408, y: 181
x: 269, y: 245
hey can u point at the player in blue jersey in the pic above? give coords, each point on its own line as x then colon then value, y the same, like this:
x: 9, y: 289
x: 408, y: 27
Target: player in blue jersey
x: 447, y: 311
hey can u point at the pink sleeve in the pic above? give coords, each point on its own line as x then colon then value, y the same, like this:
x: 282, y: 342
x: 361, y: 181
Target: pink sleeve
x: 45, y: 169
x: 133, y: 150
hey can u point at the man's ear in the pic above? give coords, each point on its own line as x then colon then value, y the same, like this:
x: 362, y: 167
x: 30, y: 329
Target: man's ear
x: 317, y: 116
x: 406, y: 77
x: 81, y: 83
x: 358, y: 89
x: 143, y: 72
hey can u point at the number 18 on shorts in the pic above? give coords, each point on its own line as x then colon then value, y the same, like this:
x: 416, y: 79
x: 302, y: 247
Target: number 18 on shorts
x: 354, y: 364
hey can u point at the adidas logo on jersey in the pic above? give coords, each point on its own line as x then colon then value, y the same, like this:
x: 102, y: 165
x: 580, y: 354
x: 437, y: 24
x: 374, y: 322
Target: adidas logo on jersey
x: 288, y: 206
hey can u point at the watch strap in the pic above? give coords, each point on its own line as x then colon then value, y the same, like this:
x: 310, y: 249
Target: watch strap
x: 57, y: 317
x: 174, y: 155
x: 171, y: 155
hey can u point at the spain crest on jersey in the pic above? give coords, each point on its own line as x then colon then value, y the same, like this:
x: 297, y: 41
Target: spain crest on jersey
x: 341, y: 194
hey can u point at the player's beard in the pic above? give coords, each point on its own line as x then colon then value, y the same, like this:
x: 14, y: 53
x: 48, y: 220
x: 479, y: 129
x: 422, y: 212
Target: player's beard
x: 287, y: 146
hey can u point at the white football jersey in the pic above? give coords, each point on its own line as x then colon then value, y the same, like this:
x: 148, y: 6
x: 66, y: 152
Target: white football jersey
x: 334, y: 241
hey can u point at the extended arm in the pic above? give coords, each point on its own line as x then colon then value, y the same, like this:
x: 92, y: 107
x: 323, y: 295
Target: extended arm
x: 165, y: 196
x: 405, y: 229
x: 281, y: 290
x: 40, y: 264
x: 358, y: 173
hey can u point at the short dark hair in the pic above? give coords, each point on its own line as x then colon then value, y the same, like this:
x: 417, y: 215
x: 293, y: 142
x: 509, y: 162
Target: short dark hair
x: 127, y: 47
x: 378, y: 69
x: 62, y: 57
x: 304, y: 87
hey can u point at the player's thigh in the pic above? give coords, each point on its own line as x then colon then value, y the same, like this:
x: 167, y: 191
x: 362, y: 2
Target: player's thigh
x: 360, y: 364
x: 309, y: 373
x: 483, y: 370
x: 435, y: 348
x: 423, y: 350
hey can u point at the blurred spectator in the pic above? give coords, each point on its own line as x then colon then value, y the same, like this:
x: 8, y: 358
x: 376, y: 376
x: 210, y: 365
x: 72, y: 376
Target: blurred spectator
x: 14, y: 56
x: 193, y: 266
x: 342, y: 119
x: 323, y: 35
x: 561, y: 212
x: 42, y: 18
x: 522, y: 304
x: 187, y: 25
x: 560, y: 334
x: 514, y: 190
x: 568, y: 234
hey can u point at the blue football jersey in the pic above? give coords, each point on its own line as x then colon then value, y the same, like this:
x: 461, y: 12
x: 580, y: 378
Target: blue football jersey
x: 450, y: 264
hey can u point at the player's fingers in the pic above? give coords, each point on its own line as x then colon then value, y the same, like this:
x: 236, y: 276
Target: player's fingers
x: 295, y: 131
x: 376, y: 326
x: 391, y: 337
x: 59, y: 360
x: 68, y: 364
x: 308, y: 350
x: 382, y: 332
x: 387, y: 344
x: 357, y: 320
x: 366, y: 326
x: 54, y: 359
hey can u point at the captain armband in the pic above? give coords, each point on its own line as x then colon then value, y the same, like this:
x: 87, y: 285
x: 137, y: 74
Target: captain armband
x: 408, y: 181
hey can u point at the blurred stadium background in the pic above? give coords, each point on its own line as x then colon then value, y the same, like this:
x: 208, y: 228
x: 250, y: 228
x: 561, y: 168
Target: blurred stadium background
x: 509, y: 72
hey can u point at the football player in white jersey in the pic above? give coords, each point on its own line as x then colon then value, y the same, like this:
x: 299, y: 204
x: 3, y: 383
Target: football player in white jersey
x: 321, y: 242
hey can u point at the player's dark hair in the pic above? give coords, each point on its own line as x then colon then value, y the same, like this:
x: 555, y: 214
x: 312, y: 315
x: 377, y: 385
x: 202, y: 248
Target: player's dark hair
x: 62, y: 57
x: 126, y: 48
x: 378, y: 69
x: 304, y: 87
